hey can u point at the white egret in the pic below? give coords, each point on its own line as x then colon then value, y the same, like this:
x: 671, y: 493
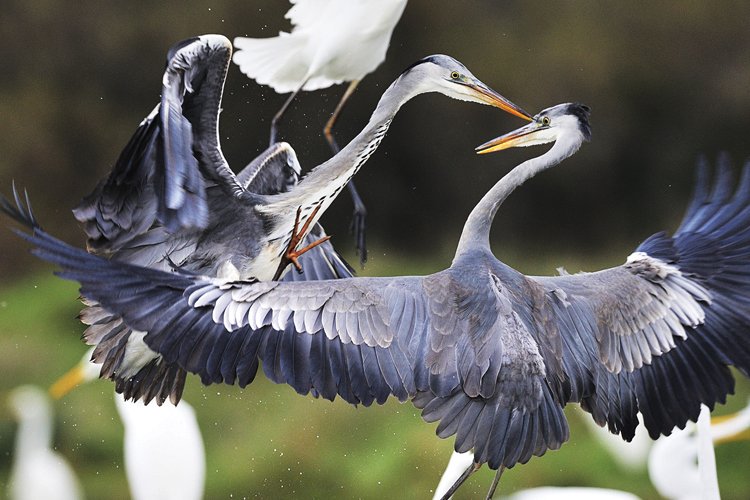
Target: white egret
x: 460, y: 462
x: 682, y: 466
x: 38, y: 471
x: 163, y: 447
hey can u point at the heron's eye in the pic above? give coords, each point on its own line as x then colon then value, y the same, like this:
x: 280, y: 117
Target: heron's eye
x: 545, y: 120
x: 455, y: 75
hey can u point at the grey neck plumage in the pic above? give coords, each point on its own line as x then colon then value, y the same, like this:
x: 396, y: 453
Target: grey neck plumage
x: 476, y: 231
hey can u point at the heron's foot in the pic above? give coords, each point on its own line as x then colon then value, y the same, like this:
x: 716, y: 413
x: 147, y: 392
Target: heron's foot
x: 468, y: 472
x: 293, y: 255
x: 298, y: 234
x: 357, y: 226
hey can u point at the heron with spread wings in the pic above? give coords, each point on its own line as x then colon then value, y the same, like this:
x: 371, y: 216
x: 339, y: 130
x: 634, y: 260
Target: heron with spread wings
x: 490, y: 353
x: 172, y: 200
x: 173, y: 171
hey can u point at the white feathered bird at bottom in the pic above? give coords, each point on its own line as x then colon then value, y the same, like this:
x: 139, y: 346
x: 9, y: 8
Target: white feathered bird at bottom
x: 164, y: 454
x: 38, y: 471
x: 162, y: 445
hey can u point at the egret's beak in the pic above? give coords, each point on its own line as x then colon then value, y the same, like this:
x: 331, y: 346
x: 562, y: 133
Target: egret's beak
x: 740, y: 436
x: 738, y: 421
x: 489, y: 96
x: 519, y: 137
x: 67, y: 382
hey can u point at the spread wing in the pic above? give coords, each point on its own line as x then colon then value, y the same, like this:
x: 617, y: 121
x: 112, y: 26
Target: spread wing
x: 657, y: 335
x: 331, y: 41
x: 493, y: 358
x: 274, y: 170
x: 163, y: 171
x: 363, y: 339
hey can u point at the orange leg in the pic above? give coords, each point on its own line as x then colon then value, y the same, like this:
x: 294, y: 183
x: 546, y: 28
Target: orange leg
x: 298, y: 234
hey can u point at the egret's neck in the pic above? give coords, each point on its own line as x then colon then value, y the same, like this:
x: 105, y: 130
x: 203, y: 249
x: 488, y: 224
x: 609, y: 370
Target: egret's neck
x: 476, y: 232
x: 34, y: 432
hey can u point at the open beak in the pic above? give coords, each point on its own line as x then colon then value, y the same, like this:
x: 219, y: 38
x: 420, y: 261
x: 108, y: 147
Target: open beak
x: 489, y: 96
x: 518, y: 137
x: 67, y: 382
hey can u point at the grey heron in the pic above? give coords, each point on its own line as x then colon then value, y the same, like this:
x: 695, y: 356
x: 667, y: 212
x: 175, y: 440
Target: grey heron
x: 332, y: 41
x: 173, y: 201
x: 490, y: 353
x: 177, y: 163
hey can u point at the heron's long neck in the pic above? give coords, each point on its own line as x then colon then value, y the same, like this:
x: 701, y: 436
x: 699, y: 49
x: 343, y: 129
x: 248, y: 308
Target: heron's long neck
x: 325, y: 181
x: 476, y: 232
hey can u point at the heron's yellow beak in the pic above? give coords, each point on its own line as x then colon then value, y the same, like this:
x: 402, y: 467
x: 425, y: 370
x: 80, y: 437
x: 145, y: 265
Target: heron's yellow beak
x: 68, y: 382
x: 489, y: 96
x: 524, y: 136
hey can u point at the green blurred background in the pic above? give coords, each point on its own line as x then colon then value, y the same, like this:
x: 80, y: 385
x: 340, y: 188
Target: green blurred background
x: 666, y: 82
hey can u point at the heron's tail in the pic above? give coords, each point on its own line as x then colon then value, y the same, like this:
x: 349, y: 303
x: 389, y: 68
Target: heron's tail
x: 498, y: 434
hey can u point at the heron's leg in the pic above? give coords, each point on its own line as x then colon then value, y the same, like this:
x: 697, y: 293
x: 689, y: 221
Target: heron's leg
x: 292, y: 254
x: 358, y: 225
x: 360, y: 211
x: 278, y: 115
x: 468, y: 472
x: 495, y: 482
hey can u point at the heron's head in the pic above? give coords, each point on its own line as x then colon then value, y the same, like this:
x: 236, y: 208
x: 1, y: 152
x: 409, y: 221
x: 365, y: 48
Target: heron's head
x: 441, y: 73
x: 569, y: 120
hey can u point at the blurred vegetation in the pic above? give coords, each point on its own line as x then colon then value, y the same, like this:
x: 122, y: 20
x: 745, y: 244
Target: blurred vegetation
x: 666, y: 81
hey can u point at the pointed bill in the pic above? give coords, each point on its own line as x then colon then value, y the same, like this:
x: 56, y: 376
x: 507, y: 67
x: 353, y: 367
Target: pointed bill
x: 74, y: 377
x: 524, y: 136
x: 493, y: 98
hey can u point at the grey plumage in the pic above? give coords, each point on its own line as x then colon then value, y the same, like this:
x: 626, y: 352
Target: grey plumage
x: 170, y: 183
x: 172, y: 201
x: 491, y: 354
x: 174, y: 163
